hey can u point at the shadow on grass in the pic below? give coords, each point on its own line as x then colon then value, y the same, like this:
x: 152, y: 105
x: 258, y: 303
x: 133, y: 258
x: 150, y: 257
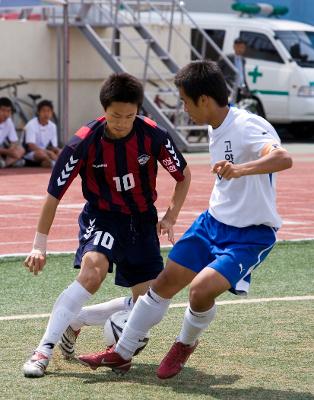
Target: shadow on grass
x: 190, y: 381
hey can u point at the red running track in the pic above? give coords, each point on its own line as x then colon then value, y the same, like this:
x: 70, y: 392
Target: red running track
x: 22, y: 192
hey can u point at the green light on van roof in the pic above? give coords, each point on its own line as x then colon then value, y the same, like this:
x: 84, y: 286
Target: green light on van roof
x: 246, y: 8
x: 260, y: 8
x: 280, y: 10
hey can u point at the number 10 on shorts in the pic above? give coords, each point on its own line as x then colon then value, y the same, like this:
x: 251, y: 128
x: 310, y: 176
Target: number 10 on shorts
x: 106, y: 239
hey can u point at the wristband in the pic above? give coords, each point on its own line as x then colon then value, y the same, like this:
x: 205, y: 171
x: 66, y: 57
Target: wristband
x: 40, y: 242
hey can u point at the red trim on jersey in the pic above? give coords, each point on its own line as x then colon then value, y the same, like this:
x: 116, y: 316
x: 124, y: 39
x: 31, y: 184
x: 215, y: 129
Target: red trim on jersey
x: 103, y: 204
x: 90, y: 179
x: 151, y: 172
x: 83, y: 132
x: 132, y: 153
x: 101, y: 119
x: 150, y: 122
x: 110, y: 173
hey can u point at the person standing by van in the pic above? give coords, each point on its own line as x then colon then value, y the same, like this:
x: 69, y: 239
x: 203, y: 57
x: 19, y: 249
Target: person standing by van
x: 236, y: 81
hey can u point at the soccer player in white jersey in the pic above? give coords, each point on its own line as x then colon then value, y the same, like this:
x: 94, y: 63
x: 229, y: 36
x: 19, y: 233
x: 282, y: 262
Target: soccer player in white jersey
x: 11, y: 152
x: 226, y: 242
x: 41, y: 140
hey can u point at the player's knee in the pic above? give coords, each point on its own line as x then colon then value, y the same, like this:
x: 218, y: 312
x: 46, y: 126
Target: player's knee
x: 200, y: 297
x: 93, y: 271
x: 165, y: 285
x: 91, y: 279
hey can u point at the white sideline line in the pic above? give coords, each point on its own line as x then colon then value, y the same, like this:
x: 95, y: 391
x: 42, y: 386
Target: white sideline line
x: 163, y: 247
x: 252, y: 301
x: 180, y: 305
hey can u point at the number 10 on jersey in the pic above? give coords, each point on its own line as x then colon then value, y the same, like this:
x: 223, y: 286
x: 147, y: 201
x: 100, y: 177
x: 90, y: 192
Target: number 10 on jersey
x: 124, y: 183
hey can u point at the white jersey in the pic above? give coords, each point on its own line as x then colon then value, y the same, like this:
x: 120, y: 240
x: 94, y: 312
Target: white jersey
x: 249, y: 200
x: 41, y: 135
x: 7, y: 133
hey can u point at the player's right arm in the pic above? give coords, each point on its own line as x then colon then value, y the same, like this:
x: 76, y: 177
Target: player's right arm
x: 36, y: 260
x: 66, y: 169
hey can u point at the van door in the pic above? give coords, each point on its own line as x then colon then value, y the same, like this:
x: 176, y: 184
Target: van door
x: 267, y: 74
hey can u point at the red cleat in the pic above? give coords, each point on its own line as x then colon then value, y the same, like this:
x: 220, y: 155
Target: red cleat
x: 175, y: 359
x: 108, y: 358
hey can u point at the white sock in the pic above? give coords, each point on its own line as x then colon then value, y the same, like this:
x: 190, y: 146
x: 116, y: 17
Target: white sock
x: 68, y: 304
x: 97, y: 314
x: 194, y: 324
x: 147, y: 312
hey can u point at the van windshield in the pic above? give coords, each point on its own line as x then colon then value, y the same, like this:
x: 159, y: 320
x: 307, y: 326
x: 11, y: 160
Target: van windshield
x: 300, y: 45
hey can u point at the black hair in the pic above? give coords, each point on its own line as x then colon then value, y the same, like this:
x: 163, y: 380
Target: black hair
x: 44, y: 103
x: 203, y: 78
x: 6, y: 102
x: 121, y: 87
x: 239, y: 40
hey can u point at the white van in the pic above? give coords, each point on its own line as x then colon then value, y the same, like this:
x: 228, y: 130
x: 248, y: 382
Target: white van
x: 279, y: 60
x: 279, y: 63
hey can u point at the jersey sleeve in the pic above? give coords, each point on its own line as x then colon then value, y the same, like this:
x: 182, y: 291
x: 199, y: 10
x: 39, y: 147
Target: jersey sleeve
x: 67, y: 166
x: 171, y: 158
x: 258, y: 135
x: 12, y: 132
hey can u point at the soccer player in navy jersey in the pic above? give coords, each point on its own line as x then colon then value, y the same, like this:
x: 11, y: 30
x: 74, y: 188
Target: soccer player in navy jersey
x: 116, y: 156
x: 225, y: 243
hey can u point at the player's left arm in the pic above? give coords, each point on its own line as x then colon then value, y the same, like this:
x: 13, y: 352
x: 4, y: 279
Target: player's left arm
x: 173, y: 161
x: 273, y: 158
x: 165, y: 225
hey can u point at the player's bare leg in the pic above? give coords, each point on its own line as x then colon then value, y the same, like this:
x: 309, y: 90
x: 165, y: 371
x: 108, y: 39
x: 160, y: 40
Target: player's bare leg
x: 93, y: 271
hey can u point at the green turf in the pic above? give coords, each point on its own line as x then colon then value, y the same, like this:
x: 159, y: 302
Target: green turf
x: 288, y: 271
x: 251, y: 352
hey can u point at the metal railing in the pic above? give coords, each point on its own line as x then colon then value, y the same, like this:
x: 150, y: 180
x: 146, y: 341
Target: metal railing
x: 154, y: 63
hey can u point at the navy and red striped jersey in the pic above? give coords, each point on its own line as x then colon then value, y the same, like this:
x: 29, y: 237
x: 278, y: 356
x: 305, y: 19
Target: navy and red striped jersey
x: 117, y: 174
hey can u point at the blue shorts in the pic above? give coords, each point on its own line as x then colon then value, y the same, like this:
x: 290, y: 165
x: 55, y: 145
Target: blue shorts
x: 129, y: 241
x: 233, y: 252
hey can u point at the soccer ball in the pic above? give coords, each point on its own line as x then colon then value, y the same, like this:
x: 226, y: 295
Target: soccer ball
x: 113, y: 330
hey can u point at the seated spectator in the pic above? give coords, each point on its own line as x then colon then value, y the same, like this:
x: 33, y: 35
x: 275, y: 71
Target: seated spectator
x: 11, y: 152
x: 41, y: 139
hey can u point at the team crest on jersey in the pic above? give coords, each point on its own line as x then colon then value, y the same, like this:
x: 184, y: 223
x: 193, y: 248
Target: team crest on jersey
x: 143, y: 158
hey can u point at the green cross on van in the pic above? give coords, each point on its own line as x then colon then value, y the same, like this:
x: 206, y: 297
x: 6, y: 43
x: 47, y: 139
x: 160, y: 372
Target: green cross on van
x: 255, y: 74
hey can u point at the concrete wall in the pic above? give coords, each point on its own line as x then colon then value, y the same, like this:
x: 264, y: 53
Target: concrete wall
x: 30, y: 49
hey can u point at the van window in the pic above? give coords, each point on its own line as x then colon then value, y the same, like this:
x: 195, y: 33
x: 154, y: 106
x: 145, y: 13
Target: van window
x: 260, y: 47
x: 203, y: 47
x: 300, y: 46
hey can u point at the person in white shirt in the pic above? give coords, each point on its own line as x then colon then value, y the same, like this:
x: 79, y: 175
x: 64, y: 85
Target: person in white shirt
x: 11, y: 152
x: 226, y: 242
x: 41, y: 138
